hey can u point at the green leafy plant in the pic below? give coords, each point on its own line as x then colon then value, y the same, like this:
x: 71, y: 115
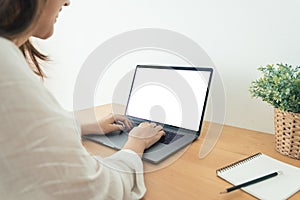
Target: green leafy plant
x: 279, y: 86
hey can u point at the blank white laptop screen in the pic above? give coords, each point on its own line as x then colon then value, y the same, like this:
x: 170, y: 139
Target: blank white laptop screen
x: 168, y: 96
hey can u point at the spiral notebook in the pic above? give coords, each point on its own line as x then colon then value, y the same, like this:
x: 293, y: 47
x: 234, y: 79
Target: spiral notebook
x: 280, y: 187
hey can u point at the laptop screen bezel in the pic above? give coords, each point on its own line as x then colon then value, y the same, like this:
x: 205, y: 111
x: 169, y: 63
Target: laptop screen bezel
x: 209, y: 69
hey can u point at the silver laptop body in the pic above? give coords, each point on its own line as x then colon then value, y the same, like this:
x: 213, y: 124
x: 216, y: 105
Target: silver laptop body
x: 174, y: 97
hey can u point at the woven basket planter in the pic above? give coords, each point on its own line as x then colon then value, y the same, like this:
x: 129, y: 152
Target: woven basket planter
x: 287, y: 133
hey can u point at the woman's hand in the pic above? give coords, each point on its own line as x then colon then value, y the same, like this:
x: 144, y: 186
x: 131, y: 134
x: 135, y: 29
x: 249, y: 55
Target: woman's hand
x: 90, y: 124
x: 115, y: 122
x: 143, y: 136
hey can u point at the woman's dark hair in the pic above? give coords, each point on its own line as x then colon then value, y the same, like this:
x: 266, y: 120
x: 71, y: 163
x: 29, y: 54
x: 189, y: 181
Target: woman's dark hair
x: 33, y: 56
x: 16, y: 16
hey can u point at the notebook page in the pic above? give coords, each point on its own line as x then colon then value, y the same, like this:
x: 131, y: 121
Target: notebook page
x: 280, y: 187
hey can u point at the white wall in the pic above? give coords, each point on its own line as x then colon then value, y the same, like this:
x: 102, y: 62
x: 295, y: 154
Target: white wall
x: 238, y: 35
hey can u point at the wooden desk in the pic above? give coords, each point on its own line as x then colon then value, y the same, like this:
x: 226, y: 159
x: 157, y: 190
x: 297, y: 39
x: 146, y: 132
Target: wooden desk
x: 192, y: 178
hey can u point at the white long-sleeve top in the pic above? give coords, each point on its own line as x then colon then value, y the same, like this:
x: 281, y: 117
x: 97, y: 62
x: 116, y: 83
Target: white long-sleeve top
x: 41, y: 154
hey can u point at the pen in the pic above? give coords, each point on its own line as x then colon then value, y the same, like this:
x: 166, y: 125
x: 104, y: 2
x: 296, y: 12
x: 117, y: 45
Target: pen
x: 251, y: 182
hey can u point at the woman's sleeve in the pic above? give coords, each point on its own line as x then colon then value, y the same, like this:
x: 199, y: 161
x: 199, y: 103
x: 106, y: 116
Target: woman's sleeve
x: 41, y: 154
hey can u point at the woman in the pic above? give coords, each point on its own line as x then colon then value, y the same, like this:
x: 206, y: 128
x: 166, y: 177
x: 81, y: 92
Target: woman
x: 41, y: 155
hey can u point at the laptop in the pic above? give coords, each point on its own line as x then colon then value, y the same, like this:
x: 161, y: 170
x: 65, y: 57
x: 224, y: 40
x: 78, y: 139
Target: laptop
x: 174, y: 97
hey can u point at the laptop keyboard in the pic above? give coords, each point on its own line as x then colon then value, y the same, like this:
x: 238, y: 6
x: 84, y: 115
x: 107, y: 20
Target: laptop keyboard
x: 169, y: 137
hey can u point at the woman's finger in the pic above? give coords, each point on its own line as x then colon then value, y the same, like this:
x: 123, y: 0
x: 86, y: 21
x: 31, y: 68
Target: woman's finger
x: 158, y: 128
x: 155, y: 138
x: 124, y: 120
x: 143, y: 124
x: 153, y: 125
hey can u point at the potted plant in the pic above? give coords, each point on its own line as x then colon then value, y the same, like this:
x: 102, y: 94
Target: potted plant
x: 280, y: 87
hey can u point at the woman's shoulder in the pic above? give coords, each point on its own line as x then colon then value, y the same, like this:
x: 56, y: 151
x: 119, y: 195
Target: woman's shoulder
x: 13, y: 63
x: 9, y: 52
x: 7, y: 46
